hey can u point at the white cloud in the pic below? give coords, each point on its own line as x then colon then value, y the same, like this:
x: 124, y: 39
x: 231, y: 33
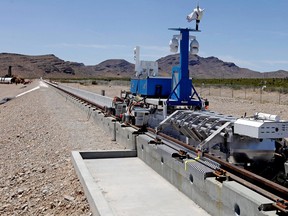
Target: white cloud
x: 153, y: 53
x: 280, y: 33
x: 94, y: 46
x: 239, y: 62
x: 275, y: 62
x: 257, y: 65
x: 155, y: 48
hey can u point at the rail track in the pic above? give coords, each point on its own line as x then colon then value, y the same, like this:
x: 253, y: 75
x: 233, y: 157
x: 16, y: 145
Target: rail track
x: 223, y: 171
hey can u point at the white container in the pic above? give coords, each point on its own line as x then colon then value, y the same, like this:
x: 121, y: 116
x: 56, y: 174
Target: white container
x: 266, y: 116
x: 141, y: 117
x: 120, y: 109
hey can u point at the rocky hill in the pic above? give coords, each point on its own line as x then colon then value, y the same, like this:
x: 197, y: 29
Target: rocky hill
x: 212, y: 67
x: 50, y: 66
x: 38, y: 66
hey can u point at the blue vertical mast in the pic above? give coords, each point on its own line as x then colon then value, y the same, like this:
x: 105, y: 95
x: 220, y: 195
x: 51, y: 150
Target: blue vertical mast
x: 183, y: 92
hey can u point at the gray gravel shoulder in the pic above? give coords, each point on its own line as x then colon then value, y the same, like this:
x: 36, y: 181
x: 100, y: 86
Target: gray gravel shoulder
x: 38, y: 131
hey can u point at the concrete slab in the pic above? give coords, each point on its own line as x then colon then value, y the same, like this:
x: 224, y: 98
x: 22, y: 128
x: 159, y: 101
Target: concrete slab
x: 129, y: 187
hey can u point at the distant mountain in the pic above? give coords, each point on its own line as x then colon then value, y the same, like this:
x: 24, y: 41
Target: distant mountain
x: 115, y: 67
x: 212, y: 67
x: 50, y: 66
x: 37, y: 66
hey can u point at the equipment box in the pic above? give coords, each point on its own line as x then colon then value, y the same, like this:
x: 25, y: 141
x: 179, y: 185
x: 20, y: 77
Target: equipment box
x: 152, y: 87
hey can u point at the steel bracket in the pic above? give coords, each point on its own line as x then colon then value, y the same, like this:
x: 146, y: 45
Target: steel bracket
x: 281, y: 206
x: 221, y: 175
x: 156, y: 141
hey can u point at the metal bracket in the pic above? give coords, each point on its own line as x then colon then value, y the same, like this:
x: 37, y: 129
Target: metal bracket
x: 281, y: 206
x: 221, y: 175
x: 142, y: 130
x: 180, y: 155
x: 156, y: 141
x: 166, y: 122
x: 212, y: 138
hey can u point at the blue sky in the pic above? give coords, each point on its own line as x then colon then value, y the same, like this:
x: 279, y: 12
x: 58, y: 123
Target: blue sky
x: 252, y: 34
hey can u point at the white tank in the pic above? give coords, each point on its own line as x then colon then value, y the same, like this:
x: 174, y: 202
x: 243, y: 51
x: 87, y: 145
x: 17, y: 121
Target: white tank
x: 6, y: 80
x: 137, y: 60
x: 266, y: 116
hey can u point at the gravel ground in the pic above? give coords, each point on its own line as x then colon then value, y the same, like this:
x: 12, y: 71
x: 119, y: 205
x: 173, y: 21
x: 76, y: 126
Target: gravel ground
x: 237, y: 107
x: 39, y: 130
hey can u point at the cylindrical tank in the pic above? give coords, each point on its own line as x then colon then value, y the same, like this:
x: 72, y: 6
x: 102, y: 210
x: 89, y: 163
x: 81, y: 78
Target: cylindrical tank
x: 137, y: 60
x: 6, y: 80
x: 266, y: 116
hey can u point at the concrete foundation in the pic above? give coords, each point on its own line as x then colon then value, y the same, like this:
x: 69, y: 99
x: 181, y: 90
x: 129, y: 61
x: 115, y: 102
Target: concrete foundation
x: 126, y: 136
x: 119, y: 183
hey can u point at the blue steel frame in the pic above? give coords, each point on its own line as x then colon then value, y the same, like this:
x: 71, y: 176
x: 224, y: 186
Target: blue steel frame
x: 183, y: 91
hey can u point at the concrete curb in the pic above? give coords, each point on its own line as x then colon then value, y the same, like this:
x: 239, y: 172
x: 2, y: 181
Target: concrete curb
x: 92, y: 191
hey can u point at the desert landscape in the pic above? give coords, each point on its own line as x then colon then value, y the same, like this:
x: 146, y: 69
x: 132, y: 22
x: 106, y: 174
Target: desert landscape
x: 50, y: 66
x: 40, y: 129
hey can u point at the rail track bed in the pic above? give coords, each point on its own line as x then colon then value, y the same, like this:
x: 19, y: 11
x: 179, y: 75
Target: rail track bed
x: 216, y: 185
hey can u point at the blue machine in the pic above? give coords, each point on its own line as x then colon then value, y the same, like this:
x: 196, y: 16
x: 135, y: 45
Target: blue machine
x: 153, y: 87
x: 179, y: 89
x: 183, y: 91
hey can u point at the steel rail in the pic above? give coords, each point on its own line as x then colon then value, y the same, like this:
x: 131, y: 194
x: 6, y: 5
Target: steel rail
x: 78, y: 97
